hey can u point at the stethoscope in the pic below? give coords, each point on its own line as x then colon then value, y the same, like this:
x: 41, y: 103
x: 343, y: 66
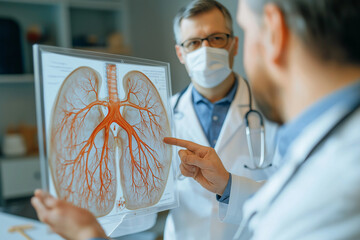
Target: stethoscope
x: 260, y: 164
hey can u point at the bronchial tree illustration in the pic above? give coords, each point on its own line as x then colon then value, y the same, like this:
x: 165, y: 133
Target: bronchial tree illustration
x: 87, y: 130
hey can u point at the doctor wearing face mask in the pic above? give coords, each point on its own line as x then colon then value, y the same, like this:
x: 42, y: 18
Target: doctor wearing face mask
x: 211, y: 112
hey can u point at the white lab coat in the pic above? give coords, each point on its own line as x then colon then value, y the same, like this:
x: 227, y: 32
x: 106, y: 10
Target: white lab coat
x: 197, y: 217
x: 322, y: 201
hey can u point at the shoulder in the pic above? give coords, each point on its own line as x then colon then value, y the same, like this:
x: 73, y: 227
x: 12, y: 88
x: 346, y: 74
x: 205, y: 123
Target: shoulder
x: 345, y: 140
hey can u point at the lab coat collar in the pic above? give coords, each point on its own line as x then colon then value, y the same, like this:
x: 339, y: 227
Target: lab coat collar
x: 235, y: 115
x: 190, y: 123
x: 297, y: 153
x: 348, y: 95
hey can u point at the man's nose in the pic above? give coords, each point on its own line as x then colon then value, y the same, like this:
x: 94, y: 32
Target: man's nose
x: 205, y: 43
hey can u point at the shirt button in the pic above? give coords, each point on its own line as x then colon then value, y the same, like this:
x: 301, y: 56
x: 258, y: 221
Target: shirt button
x: 214, y: 142
x: 215, y: 118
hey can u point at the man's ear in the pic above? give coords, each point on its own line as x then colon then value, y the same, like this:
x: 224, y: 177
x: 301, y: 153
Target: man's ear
x: 276, y: 33
x: 236, y: 45
x: 179, y: 54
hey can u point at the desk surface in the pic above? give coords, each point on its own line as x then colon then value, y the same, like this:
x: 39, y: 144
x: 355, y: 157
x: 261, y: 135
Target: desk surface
x: 39, y: 231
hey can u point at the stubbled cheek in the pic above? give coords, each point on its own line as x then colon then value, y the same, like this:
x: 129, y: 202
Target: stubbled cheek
x: 253, y: 53
x: 249, y: 55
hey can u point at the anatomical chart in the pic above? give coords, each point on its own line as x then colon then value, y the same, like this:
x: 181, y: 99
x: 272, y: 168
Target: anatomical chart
x: 105, y: 127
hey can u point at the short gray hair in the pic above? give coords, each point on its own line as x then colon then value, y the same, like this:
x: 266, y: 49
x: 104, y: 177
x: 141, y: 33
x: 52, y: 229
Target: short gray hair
x: 329, y: 28
x: 197, y: 7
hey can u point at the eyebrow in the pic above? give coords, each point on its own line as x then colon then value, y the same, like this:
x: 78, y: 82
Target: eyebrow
x: 217, y: 32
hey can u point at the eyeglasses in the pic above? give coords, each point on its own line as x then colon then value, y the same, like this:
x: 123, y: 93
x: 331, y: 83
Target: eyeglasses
x: 217, y: 40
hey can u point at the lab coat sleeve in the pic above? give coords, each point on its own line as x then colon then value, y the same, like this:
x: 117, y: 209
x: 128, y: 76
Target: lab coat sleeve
x: 241, y: 189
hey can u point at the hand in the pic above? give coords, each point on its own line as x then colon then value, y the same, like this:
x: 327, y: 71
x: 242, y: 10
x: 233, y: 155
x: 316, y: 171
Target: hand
x: 67, y: 220
x: 203, y: 164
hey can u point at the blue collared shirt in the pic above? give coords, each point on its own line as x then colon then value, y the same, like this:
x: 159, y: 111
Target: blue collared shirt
x: 348, y: 96
x: 290, y: 131
x: 212, y: 115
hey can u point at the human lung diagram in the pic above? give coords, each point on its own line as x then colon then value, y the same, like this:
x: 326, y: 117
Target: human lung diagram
x: 89, y: 134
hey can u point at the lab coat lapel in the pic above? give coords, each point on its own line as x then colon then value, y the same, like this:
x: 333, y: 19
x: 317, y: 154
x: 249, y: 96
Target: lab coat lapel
x: 235, y: 115
x: 189, y: 125
x: 297, y: 153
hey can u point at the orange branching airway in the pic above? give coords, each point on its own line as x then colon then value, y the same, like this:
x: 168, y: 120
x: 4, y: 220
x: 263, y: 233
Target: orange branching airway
x: 87, y: 175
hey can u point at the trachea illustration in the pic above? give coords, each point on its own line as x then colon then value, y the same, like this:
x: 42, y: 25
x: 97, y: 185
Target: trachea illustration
x: 87, y: 131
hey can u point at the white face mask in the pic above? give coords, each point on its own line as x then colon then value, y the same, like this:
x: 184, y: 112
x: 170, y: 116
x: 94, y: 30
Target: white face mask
x: 208, y: 66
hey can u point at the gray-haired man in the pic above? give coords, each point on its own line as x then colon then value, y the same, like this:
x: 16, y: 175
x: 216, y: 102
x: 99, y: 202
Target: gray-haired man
x: 211, y: 112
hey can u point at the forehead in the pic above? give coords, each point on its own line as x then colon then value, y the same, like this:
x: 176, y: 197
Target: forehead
x: 203, y: 24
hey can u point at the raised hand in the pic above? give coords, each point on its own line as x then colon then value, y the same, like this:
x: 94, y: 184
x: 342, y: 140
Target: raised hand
x: 65, y: 219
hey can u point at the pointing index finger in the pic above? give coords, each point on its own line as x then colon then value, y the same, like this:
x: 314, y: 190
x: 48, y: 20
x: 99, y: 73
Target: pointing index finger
x: 182, y: 143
